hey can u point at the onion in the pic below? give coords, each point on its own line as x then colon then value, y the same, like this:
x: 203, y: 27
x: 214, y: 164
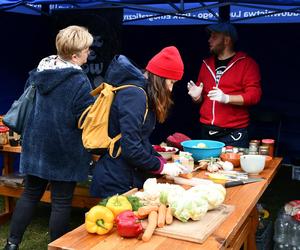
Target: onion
x: 227, y: 166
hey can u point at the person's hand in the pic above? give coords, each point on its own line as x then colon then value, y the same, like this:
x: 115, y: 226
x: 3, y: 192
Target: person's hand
x: 174, y: 169
x: 217, y: 95
x: 194, y: 91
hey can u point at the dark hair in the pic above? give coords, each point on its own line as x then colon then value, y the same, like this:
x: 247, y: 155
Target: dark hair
x: 159, y: 96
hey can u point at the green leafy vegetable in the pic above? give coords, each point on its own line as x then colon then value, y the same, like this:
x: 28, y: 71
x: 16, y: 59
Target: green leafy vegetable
x: 163, y: 198
x: 135, y: 202
x: 103, y: 202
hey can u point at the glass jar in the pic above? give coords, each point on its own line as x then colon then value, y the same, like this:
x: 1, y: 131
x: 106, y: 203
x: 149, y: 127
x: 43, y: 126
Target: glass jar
x: 270, y: 143
x: 13, y: 138
x: 257, y: 142
x: 3, y: 135
x: 253, y: 148
x: 228, y: 149
x: 243, y: 151
x: 263, y: 150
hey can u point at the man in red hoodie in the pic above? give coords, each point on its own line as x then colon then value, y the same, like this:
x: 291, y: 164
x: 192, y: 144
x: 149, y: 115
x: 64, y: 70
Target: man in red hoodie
x: 228, y: 83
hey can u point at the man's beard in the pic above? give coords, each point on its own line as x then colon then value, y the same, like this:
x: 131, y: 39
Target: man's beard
x: 218, y: 49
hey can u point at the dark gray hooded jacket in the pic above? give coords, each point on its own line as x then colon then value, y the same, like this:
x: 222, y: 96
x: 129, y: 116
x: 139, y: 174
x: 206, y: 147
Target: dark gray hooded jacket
x: 52, y: 146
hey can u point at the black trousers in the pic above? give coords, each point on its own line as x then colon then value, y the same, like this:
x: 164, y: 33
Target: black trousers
x: 234, y: 137
x: 61, y: 204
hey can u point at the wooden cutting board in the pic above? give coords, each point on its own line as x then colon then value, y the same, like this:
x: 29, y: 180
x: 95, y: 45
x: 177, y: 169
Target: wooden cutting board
x: 195, y: 231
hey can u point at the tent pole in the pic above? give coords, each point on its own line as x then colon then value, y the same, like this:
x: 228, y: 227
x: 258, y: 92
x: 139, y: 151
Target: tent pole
x: 45, y: 9
x: 224, y: 12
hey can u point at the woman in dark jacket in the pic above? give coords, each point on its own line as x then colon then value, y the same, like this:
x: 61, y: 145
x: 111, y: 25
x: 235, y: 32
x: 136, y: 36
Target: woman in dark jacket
x: 137, y: 161
x: 52, y: 150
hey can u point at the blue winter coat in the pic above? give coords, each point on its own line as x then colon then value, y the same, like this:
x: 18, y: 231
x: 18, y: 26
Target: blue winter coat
x: 138, y: 159
x: 52, y: 147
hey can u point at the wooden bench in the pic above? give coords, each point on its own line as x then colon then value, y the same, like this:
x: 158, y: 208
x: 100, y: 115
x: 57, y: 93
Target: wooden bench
x: 11, y: 186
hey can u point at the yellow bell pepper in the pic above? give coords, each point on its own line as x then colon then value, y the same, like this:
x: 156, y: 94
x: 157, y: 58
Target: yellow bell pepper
x: 118, y: 203
x: 99, y: 220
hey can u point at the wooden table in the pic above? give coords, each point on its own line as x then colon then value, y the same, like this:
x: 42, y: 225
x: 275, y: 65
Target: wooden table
x: 81, y: 196
x: 237, y: 230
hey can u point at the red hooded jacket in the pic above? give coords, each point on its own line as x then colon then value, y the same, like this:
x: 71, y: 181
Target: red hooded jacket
x: 241, y: 77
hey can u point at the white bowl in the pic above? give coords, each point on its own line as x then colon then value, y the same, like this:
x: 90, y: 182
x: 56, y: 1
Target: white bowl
x: 253, y: 164
x: 168, y: 155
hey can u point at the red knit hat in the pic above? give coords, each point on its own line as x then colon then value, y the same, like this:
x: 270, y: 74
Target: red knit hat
x: 167, y: 63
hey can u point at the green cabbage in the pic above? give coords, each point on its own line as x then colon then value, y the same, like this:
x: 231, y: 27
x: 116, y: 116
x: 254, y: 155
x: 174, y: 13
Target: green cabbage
x: 189, y: 207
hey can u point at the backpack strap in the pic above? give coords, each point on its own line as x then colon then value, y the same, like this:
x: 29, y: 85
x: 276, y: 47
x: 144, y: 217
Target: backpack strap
x: 112, y: 146
x: 146, y: 112
x: 82, y: 117
x: 98, y: 90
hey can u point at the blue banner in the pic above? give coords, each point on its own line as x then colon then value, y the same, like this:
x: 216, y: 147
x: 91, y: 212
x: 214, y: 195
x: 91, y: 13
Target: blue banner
x: 264, y: 14
x: 249, y: 13
x: 177, y: 14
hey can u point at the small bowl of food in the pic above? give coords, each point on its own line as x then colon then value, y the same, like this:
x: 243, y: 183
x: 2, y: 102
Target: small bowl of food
x: 234, y: 158
x: 253, y: 164
x: 268, y: 160
x: 165, y: 151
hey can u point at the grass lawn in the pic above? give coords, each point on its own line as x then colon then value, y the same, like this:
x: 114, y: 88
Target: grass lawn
x: 37, y: 235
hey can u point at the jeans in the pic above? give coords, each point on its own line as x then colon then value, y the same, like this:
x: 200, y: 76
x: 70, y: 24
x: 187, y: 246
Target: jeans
x: 232, y: 137
x: 61, y: 204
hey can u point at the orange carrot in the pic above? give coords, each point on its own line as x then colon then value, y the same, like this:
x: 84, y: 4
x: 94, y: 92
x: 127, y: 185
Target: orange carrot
x: 161, y: 215
x: 152, y: 223
x: 187, y: 176
x: 139, y: 216
x: 169, y: 216
x: 142, y: 211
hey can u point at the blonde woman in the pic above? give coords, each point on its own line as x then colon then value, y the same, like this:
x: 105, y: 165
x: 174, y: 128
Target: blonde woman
x: 52, y: 150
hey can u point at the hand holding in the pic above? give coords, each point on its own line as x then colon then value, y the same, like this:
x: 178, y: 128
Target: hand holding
x: 217, y: 95
x: 174, y: 169
x: 194, y: 91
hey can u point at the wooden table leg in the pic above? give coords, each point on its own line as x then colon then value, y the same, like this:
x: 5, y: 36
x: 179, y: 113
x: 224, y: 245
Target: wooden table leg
x: 8, y: 210
x: 251, y: 239
x: 4, y: 217
x: 8, y: 162
x: 245, y: 238
x: 8, y: 202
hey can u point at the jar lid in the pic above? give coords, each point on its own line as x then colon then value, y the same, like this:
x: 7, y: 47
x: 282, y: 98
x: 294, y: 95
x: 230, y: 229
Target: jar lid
x: 269, y: 141
x: 4, y: 129
x: 229, y: 147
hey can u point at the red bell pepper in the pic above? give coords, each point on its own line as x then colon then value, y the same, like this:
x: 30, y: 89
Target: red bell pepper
x: 128, y: 225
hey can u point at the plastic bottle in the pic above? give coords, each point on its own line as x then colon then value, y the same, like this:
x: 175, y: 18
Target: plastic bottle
x: 281, y: 246
x: 294, y: 235
x: 277, y: 246
x: 282, y: 229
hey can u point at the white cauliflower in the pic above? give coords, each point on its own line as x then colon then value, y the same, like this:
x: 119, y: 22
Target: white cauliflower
x: 213, y: 193
x: 186, y: 204
x: 152, y: 191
